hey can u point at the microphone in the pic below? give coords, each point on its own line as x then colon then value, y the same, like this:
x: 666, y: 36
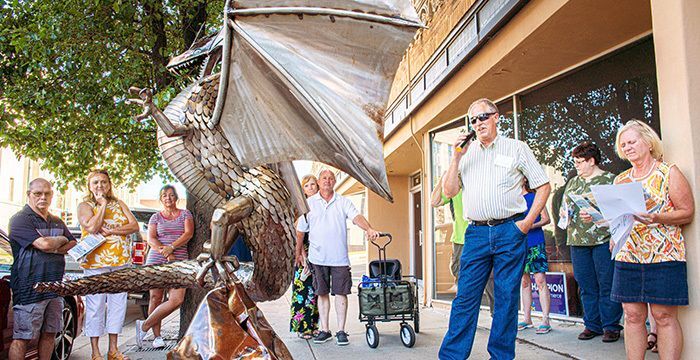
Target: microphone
x: 470, y: 137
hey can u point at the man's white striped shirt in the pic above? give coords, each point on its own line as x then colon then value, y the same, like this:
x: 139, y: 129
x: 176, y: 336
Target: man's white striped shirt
x: 492, y: 178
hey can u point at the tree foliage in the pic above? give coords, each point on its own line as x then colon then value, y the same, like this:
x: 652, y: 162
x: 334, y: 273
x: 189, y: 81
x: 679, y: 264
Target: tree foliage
x: 65, y: 68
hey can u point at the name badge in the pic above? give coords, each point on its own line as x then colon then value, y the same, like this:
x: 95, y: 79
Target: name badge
x: 503, y: 161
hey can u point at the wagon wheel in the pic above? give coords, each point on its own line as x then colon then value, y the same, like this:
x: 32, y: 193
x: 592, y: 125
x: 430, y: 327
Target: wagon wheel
x: 372, y: 336
x: 408, y: 337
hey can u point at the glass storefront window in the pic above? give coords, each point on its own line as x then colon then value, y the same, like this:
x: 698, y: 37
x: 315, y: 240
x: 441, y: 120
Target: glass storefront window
x: 442, y: 150
x: 506, y: 118
x: 590, y: 103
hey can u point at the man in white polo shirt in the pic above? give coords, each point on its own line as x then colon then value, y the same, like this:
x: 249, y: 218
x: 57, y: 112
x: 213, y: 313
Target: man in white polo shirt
x: 328, y: 251
x: 491, y: 170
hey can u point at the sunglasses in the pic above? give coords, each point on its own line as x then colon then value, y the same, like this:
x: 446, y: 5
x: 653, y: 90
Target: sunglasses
x: 481, y: 117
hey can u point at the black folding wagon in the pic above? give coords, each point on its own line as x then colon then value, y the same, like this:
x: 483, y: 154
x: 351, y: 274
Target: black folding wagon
x: 388, y: 296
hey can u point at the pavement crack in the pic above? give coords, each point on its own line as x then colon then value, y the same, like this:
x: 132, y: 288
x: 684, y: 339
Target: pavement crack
x: 311, y: 349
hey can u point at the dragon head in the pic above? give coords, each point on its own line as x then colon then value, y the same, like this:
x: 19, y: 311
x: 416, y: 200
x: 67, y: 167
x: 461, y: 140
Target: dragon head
x: 205, y: 52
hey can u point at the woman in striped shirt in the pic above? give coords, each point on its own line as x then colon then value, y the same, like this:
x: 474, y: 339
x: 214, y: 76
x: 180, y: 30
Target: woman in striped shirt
x: 168, y: 234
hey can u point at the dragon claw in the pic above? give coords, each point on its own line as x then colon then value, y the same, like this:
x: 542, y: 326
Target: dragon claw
x: 222, y: 270
x: 202, y: 273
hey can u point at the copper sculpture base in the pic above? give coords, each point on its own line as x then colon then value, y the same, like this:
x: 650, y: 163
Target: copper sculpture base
x: 228, y: 325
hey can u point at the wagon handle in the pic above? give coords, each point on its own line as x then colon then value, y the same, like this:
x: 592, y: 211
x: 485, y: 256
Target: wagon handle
x: 382, y: 249
x: 381, y: 235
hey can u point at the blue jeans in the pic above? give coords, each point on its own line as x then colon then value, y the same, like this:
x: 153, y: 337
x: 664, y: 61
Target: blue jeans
x: 502, y: 248
x: 593, y: 271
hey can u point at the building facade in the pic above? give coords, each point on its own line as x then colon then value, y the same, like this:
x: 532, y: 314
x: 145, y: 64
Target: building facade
x: 15, y: 175
x: 561, y: 72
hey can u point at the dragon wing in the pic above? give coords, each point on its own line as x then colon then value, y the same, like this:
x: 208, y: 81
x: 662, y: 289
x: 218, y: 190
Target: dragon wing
x: 310, y: 80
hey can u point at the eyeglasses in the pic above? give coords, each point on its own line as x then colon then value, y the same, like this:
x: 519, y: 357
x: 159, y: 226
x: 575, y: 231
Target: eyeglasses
x: 481, y: 117
x: 38, y: 194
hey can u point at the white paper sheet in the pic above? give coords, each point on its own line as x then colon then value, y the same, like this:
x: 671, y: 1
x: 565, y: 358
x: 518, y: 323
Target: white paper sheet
x: 564, y: 216
x: 86, y: 245
x: 584, y: 205
x: 618, y: 204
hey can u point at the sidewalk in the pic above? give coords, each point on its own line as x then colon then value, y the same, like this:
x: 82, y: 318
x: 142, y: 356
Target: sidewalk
x: 561, y: 343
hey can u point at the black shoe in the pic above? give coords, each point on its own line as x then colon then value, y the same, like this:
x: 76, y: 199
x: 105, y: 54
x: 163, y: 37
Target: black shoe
x: 611, y: 336
x: 341, y: 338
x: 322, y: 337
x: 588, y: 334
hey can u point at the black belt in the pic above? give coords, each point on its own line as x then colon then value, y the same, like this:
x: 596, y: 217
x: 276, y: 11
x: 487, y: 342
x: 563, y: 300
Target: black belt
x: 497, y: 221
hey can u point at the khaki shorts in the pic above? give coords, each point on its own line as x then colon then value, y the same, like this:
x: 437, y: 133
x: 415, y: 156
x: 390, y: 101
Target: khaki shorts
x: 335, y: 280
x: 31, y: 319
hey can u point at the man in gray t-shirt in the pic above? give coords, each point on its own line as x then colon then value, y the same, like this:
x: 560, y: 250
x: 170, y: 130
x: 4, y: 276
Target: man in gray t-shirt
x: 328, y: 251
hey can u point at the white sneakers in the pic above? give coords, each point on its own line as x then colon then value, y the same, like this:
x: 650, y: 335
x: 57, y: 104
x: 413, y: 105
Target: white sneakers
x: 158, y: 343
x: 140, y: 334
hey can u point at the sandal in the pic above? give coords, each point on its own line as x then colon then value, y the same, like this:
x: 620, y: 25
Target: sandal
x: 116, y: 356
x: 305, y: 336
x: 543, y: 329
x: 97, y: 357
x: 651, y: 344
x: 523, y: 325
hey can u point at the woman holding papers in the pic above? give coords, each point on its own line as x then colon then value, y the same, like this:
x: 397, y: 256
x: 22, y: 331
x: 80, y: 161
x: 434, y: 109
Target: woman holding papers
x: 650, y: 267
x: 590, y: 254
x: 102, y: 213
x: 169, y: 231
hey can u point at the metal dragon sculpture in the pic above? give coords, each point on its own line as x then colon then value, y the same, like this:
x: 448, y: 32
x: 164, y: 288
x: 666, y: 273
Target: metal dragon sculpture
x: 282, y: 80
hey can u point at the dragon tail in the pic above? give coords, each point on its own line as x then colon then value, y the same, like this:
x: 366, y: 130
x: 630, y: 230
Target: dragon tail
x: 179, y: 274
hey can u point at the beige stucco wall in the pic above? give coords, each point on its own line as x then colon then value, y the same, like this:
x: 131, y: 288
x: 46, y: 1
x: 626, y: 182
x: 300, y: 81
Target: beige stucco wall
x: 392, y: 218
x: 544, y: 38
x: 677, y: 48
x: 440, y: 17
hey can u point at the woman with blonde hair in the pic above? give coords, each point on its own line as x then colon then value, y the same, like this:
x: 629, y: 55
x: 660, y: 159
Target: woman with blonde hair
x: 102, y: 213
x: 304, y: 308
x: 651, y: 266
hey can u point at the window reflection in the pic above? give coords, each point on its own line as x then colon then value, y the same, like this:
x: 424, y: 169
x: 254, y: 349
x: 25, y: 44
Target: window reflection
x: 442, y: 150
x: 588, y: 104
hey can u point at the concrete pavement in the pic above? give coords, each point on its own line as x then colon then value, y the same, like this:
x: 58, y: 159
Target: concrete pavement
x: 561, y: 343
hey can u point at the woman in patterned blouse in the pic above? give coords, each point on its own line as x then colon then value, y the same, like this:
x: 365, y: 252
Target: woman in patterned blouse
x: 650, y: 267
x: 169, y: 231
x: 102, y: 213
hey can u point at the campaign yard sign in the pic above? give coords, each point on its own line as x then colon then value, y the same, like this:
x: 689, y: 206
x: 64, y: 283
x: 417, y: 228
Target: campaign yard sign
x: 556, y: 282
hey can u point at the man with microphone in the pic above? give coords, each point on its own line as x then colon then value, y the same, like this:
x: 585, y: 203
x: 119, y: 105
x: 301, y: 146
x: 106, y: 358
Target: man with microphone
x: 491, y: 170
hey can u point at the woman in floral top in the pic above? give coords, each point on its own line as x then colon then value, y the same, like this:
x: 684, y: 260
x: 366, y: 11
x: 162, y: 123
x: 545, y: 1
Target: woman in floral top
x: 590, y: 253
x: 304, y: 309
x: 102, y: 213
x: 650, y: 268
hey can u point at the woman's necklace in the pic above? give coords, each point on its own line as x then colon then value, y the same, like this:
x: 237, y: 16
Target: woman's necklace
x: 651, y: 169
x: 169, y: 215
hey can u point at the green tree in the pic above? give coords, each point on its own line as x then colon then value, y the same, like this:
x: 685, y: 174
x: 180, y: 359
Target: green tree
x: 65, y: 68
